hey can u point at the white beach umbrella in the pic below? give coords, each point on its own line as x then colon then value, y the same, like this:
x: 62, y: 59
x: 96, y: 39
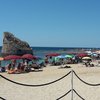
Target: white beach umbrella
x: 86, y: 58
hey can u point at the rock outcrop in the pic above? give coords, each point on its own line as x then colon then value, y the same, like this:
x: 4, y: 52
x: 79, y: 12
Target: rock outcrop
x: 14, y: 46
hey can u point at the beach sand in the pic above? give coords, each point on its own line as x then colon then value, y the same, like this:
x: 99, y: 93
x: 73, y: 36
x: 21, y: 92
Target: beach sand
x: 11, y: 91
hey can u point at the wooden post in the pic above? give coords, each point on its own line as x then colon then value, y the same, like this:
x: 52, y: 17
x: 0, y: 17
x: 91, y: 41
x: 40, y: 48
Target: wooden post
x: 72, y: 85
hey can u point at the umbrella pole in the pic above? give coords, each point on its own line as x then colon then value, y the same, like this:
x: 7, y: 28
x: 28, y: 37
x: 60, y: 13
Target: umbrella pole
x: 72, y: 85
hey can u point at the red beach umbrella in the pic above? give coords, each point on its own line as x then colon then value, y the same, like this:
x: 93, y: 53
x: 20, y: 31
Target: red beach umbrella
x: 10, y: 57
x: 82, y: 55
x: 53, y: 54
x: 28, y: 56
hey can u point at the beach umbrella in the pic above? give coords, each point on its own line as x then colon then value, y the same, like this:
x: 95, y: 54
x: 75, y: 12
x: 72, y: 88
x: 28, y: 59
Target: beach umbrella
x: 94, y: 54
x: 1, y: 58
x: 69, y: 56
x: 86, y: 58
x: 53, y: 54
x: 61, y: 56
x: 82, y: 55
x: 10, y: 57
x: 28, y: 56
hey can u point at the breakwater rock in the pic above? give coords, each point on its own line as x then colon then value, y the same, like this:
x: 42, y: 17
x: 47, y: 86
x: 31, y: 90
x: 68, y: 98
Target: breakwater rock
x: 14, y: 46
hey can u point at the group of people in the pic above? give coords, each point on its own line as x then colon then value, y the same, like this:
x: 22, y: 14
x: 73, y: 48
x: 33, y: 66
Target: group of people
x: 59, y: 61
x: 15, y: 67
x: 24, y: 66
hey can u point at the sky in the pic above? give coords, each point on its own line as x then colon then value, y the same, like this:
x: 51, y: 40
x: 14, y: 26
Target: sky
x: 52, y: 23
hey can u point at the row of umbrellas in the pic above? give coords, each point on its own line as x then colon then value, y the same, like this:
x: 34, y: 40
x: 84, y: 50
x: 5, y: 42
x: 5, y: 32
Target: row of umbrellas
x: 29, y: 56
x: 57, y: 55
x: 25, y: 56
x: 79, y: 54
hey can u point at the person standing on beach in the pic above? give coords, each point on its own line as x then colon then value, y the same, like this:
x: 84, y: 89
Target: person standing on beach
x: 13, y: 64
x: 46, y: 59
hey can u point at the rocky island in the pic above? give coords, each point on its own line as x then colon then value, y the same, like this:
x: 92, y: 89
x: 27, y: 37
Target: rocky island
x: 14, y: 46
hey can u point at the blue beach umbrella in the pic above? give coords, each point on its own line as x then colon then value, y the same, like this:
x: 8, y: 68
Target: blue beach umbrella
x: 94, y: 54
x: 61, y: 56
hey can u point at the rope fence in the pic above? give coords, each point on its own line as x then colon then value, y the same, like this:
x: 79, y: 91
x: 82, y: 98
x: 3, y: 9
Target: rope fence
x: 78, y: 95
x: 35, y: 85
x: 63, y: 95
x: 2, y: 98
x: 85, y: 82
x: 44, y: 84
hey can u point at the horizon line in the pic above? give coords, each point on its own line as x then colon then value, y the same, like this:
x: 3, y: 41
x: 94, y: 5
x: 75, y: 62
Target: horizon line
x: 63, y: 47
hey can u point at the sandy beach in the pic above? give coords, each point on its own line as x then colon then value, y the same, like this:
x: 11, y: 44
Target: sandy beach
x: 49, y: 49
x: 11, y: 91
